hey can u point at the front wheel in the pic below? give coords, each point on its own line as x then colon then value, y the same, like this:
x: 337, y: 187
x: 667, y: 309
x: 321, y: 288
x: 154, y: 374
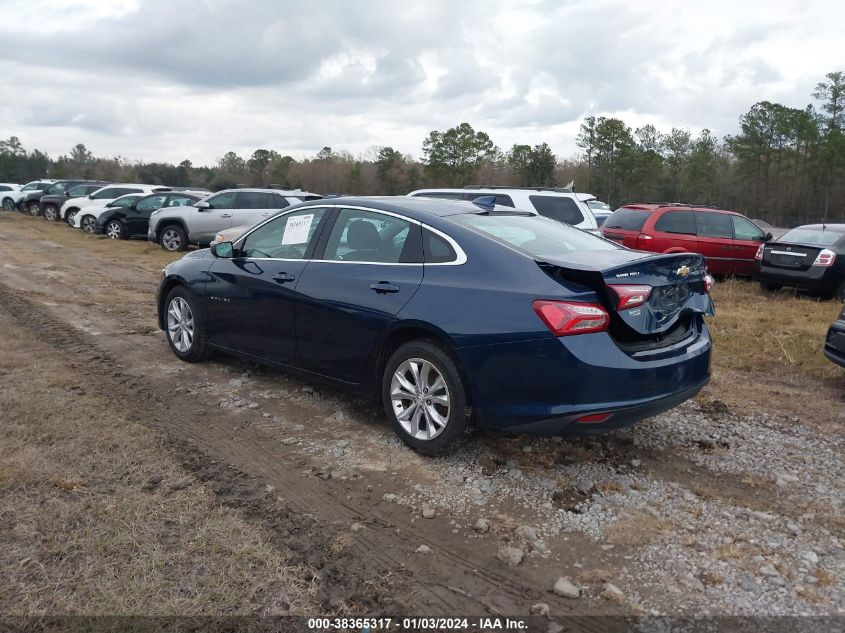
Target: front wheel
x: 424, y: 397
x: 34, y: 208
x: 115, y: 230
x: 51, y: 213
x: 69, y: 217
x: 8, y: 204
x: 184, y: 327
x: 174, y: 239
x: 88, y: 224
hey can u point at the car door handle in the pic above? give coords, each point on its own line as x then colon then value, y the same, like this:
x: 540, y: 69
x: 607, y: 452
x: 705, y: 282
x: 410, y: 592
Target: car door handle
x: 383, y: 287
x: 283, y: 278
x: 226, y: 215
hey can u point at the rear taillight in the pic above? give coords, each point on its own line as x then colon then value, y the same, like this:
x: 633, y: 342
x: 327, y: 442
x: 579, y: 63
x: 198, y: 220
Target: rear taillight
x: 759, y: 255
x: 630, y: 296
x: 708, y: 283
x: 825, y: 258
x: 642, y: 238
x: 565, y: 318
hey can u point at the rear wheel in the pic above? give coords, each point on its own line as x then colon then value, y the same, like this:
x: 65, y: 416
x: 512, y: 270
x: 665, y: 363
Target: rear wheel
x: 184, y: 327
x: 173, y: 238
x: 115, y: 230
x: 51, y: 213
x: 424, y: 397
x: 70, y: 215
x: 88, y: 223
x: 767, y: 287
x: 33, y: 208
x: 8, y: 204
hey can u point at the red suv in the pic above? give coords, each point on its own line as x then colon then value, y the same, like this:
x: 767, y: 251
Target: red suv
x: 727, y: 239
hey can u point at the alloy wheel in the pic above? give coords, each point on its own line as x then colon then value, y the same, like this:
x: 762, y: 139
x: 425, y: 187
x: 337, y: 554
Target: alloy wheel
x: 113, y: 230
x: 70, y: 216
x: 420, y: 399
x: 180, y: 324
x: 33, y: 208
x: 88, y: 223
x: 9, y: 204
x: 50, y: 212
x: 171, y: 240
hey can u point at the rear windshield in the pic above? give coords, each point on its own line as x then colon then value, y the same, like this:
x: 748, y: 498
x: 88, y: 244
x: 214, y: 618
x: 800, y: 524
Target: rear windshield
x: 812, y: 236
x: 558, y: 208
x: 534, y: 235
x: 627, y: 219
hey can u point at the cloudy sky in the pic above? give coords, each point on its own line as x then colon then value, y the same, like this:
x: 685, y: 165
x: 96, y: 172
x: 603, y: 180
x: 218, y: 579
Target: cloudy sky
x: 175, y: 79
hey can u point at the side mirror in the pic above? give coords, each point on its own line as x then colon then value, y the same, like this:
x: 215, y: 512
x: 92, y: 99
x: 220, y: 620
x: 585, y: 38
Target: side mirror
x: 768, y: 237
x: 202, y: 205
x: 224, y: 250
x: 91, y: 196
x: 133, y: 207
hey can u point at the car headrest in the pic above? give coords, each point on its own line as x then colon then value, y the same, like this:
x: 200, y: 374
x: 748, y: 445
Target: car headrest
x: 362, y: 236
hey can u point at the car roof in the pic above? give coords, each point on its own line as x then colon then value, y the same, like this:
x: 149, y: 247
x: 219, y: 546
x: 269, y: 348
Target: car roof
x: 835, y: 228
x: 416, y: 208
x: 494, y: 190
x: 282, y: 192
x: 654, y: 206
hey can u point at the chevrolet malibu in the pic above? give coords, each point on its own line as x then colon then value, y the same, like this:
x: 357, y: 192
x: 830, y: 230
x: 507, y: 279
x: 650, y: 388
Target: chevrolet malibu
x: 451, y: 313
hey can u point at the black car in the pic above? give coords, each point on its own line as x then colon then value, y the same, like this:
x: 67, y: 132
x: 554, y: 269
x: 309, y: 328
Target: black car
x: 810, y: 257
x: 52, y: 200
x: 834, y: 344
x: 134, y: 220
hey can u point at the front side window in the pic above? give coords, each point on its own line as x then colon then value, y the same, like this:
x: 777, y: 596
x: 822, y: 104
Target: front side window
x: 745, y: 229
x: 151, y: 204
x: 558, y: 208
x: 369, y: 236
x: 284, y: 237
x: 714, y: 224
x: 223, y: 200
x: 676, y: 222
x: 180, y: 201
x: 125, y: 201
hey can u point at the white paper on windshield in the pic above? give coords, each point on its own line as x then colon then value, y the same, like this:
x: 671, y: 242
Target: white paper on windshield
x: 297, y: 229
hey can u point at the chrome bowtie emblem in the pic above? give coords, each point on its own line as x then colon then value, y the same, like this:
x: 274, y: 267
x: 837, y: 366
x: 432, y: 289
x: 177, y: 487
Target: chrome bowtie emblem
x: 683, y: 271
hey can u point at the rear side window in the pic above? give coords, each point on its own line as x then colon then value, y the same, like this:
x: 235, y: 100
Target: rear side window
x: 369, y: 236
x: 558, y: 208
x: 714, y: 224
x: 5, y: 188
x: 627, y: 219
x: 676, y: 222
x: 436, y: 249
x: 253, y: 200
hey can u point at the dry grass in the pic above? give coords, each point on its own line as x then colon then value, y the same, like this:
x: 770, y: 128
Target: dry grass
x: 78, y: 534
x: 636, y: 528
x: 778, y: 334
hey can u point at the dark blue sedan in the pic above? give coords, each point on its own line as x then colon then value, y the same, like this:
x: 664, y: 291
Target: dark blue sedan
x: 451, y: 313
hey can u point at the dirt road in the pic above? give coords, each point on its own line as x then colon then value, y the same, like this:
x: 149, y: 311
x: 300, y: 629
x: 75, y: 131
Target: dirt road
x: 707, y: 509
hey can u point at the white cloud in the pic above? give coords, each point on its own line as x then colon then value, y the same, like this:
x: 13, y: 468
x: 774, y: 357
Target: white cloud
x: 175, y: 79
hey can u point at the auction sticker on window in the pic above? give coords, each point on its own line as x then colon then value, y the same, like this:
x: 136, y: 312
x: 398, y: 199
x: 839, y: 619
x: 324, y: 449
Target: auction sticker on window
x: 297, y: 229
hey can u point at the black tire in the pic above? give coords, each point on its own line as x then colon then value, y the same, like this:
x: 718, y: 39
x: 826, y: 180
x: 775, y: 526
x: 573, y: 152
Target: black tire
x: 116, y: 231
x: 51, y: 212
x: 198, y: 349
x: 88, y: 224
x: 173, y: 238
x: 839, y: 295
x: 71, y: 213
x: 33, y: 208
x: 767, y: 287
x: 456, y: 416
x: 8, y: 204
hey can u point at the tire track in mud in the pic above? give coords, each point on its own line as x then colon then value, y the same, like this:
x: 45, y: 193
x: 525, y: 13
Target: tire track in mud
x: 312, y: 516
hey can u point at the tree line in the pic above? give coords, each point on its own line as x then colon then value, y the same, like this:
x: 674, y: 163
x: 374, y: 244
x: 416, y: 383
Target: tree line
x: 785, y: 165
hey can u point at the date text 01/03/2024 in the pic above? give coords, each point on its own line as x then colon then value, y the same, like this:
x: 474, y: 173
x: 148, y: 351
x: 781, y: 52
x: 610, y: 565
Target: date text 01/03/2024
x: 416, y: 624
